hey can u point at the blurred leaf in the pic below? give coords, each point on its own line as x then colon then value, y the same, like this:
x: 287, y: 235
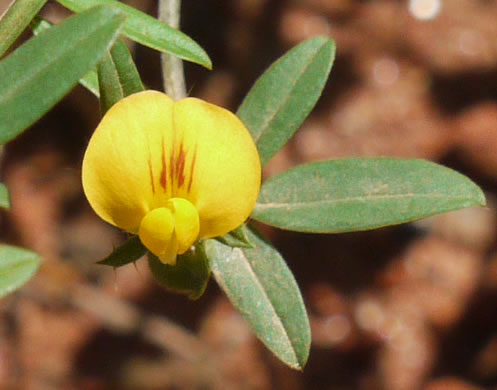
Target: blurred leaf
x: 17, y: 266
x: 284, y: 95
x: 89, y: 80
x: 149, y: 31
x: 236, y: 238
x: 38, y: 25
x: 189, y: 276
x: 361, y: 194
x: 4, y: 197
x: 127, y: 253
x: 259, y: 284
x: 40, y: 72
x: 15, y: 20
x: 129, y: 78
x: 117, y: 76
x: 108, y: 82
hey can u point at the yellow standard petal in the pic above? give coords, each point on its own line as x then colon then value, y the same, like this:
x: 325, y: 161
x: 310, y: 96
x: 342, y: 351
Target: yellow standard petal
x: 122, y: 166
x: 224, y: 179
x: 171, y: 172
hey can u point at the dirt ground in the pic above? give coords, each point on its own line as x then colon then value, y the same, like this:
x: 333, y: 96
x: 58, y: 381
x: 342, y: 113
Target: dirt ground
x: 401, y: 308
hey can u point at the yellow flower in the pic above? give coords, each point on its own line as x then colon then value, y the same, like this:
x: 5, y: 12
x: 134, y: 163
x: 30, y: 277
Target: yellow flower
x: 171, y: 172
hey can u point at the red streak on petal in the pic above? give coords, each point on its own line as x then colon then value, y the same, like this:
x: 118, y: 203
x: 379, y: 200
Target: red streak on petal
x: 192, y: 168
x: 163, y: 175
x: 172, y: 163
x: 151, y: 171
x: 180, y: 168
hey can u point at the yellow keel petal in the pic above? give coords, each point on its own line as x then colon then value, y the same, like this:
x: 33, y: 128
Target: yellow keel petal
x: 156, y: 231
x: 186, y: 221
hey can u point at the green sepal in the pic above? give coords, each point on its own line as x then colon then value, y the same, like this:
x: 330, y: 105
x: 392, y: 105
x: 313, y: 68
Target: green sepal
x: 189, y: 276
x: 127, y: 253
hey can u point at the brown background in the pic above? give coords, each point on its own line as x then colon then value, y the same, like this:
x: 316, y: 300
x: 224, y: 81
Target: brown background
x: 401, y: 308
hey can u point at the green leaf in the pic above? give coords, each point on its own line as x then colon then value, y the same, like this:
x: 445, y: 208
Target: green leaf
x: 259, y: 284
x: 127, y: 253
x: 189, y: 276
x: 117, y: 76
x: 284, y: 95
x: 90, y: 80
x: 17, y: 266
x: 4, y: 197
x: 15, y: 20
x: 38, y: 25
x: 129, y: 78
x: 236, y: 238
x: 40, y: 72
x: 149, y: 31
x: 108, y: 82
x: 361, y: 194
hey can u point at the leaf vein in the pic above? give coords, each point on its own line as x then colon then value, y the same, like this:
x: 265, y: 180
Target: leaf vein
x: 273, y: 205
x: 273, y: 309
x: 278, y: 109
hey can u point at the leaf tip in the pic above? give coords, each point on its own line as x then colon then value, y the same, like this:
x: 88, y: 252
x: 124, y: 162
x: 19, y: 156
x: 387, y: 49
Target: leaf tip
x: 481, y: 200
x: 300, y: 359
x: 208, y: 63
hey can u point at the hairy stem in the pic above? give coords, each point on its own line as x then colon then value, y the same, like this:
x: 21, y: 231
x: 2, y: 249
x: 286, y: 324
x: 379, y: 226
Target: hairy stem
x: 172, y: 67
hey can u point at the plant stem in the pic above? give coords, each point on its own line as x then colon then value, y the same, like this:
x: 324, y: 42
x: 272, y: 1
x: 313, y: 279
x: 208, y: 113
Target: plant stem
x: 172, y: 67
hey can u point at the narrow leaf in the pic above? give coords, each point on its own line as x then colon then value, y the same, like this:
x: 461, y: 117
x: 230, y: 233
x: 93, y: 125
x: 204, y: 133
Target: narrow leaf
x: 89, y: 80
x: 17, y: 266
x: 108, y: 82
x: 361, y: 194
x: 127, y: 253
x: 260, y: 285
x: 15, y: 20
x: 236, y: 238
x: 149, y: 31
x: 284, y: 95
x: 189, y: 276
x: 129, y: 78
x: 117, y: 76
x: 4, y: 197
x: 40, y: 72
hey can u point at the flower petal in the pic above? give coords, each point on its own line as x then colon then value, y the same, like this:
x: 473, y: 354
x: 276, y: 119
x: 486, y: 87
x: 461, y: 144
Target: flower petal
x: 123, y: 165
x: 148, y: 151
x: 156, y: 232
x: 186, y: 223
x: 222, y: 170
